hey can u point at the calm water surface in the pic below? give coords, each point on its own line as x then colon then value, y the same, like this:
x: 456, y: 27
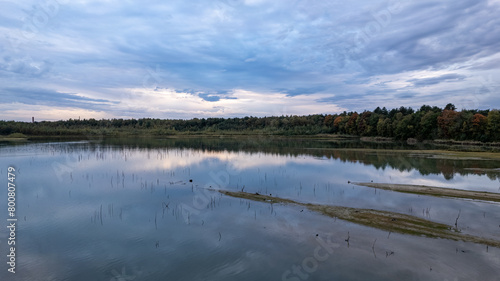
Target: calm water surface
x: 126, y: 209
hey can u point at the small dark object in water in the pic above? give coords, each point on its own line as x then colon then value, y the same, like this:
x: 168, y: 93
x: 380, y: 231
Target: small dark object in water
x: 256, y: 193
x: 372, y: 180
x: 190, y: 180
x: 317, y: 235
x: 301, y: 211
x: 270, y: 194
x: 348, y: 181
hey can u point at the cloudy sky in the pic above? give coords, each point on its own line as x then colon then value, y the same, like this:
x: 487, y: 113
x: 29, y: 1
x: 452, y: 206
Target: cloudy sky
x: 63, y: 59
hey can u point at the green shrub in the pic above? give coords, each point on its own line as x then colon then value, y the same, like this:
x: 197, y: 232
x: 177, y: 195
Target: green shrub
x: 17, y: 135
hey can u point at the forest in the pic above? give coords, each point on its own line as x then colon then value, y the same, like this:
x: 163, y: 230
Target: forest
x: 426, y: 123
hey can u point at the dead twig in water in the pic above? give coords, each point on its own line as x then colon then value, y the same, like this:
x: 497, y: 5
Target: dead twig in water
x: 456, y: 221
x: 373, y: 248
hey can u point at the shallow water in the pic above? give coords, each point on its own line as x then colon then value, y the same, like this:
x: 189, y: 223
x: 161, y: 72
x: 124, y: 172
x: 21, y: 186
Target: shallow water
x: 125, y: 209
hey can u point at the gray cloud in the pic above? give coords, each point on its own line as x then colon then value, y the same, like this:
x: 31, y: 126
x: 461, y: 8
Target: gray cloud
x: 36, y: 96
x: 430, y: 34
x: 276, y: 46
x: 24, y: 66
x: 302, y: 91
x: 453, y: 77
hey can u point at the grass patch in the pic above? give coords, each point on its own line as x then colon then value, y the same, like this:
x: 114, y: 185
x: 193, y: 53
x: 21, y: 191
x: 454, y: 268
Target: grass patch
x: 16, y: 136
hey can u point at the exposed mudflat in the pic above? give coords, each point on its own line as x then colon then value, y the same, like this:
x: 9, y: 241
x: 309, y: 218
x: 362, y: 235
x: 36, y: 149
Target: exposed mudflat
x: 435, y: 191
x: 389, y: 221
x: 436, y: 154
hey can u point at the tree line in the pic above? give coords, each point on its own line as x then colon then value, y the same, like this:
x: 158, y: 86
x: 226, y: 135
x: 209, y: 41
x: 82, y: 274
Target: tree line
x: 426, y: 123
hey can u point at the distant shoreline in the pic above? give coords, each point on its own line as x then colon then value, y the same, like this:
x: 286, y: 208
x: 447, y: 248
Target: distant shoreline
x: 432, y: 124
x: 446, y: 145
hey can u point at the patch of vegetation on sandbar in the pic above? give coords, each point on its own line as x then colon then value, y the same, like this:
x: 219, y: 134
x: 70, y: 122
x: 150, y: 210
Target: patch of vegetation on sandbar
x: 434, y: 191
x: 389, y: 221
x: 14, y: 137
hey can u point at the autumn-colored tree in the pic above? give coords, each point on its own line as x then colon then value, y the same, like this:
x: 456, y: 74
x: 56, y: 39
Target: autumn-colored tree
x: 337, y: 121
x: 339, y: 124
x: 328, y: 120
x: 351, y: 126
x: 447, y: 123
x: 363, y: 123
x: 478, y: 126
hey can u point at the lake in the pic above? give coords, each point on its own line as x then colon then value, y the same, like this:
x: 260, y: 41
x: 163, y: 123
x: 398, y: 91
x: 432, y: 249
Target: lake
x: 149, y: 209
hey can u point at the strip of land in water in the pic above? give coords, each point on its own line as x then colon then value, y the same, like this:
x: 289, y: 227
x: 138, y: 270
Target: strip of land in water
x: 389, y: 221
x: 13, y: 139
x: 427, y: 153
x: 434, y: 191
